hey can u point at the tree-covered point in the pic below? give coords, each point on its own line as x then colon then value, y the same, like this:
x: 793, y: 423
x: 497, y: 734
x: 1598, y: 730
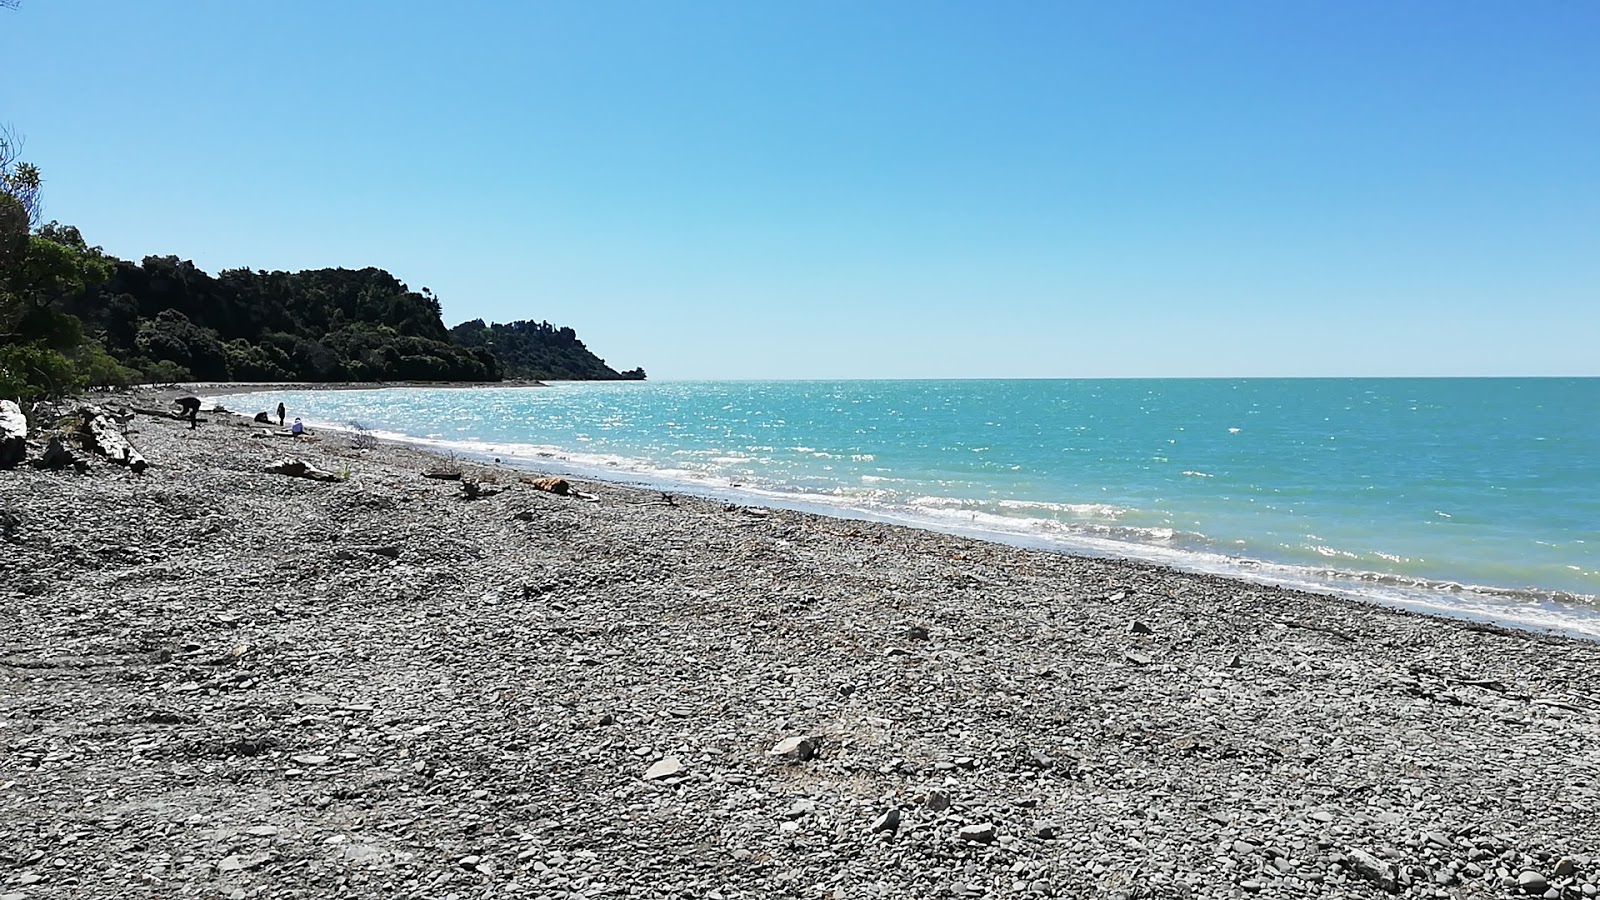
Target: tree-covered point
x: 539, y: 350
x: 71, y: 317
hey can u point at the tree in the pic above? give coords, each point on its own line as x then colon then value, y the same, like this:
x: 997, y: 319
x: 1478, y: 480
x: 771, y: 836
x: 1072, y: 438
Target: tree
x: 21, y: 180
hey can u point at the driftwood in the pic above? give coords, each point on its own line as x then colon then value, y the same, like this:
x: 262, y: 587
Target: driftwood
x: 13, y: 434
x: 102, y: 436
x: 299, y: 468
x: 443, y: 474
x: 163, y: 414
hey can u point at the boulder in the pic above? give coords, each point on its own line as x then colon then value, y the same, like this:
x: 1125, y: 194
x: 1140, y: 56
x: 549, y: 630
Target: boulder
x: 13, y: 434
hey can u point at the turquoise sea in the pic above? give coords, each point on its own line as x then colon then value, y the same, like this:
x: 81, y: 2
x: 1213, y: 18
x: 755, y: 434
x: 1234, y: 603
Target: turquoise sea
x: 1476, y: 497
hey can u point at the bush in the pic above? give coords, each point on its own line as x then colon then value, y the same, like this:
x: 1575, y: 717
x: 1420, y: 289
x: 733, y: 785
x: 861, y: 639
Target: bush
x: 32, y: 370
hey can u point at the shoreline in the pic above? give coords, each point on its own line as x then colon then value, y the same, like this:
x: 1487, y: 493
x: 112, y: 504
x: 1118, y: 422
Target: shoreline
x: 333, y: 687
x: 1534, y: 609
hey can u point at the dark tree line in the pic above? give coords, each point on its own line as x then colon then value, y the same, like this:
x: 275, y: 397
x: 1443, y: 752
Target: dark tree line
x: 539, y: 350
x: 72, y: 316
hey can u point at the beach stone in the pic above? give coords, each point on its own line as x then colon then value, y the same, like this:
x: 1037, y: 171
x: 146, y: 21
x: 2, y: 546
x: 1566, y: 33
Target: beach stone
x: 798, y: 749
x: 1531, y: 882
x: 1139, y: 628
x: 1374, y: 870
x: 1138, y: 658
x: 664, y: 768
x: 13, y: 434
x: 938, y: 801
x: 980, y: 833
x: 1045, y: 831
x: 1564, y: 868
x: 888, y: 821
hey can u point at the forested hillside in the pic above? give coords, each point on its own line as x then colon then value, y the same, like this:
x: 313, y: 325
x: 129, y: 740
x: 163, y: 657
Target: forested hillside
x: 72, y: 316
x: 538, y: 350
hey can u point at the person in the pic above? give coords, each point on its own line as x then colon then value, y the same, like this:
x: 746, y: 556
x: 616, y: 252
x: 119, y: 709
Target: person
x: 297, y: 428
x: 264, y: 419
x: 280, y: 415
x: 190, y: 407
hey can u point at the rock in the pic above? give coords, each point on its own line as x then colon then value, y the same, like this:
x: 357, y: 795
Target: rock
x: 1564, y: 868
x: 13, y: 434
x: 938, y: 801
x: 557, y: 486
x: 664, y: 768
x: 1531, y: 882
x: 798, y: 749
x: 888, y: 821
x: 262, y: 830
x: 442, y: 474
x: 801, y: 808
x: 309, y: 759
x: 916, y: 633
x: 1139, y: 628
x: 1374, y: 870
x: 981, y: 833
x: 1045, y: 831
x: 470, y: 863
x: 299, y: 468
x: 1137, y: 658
x: 57, y: 456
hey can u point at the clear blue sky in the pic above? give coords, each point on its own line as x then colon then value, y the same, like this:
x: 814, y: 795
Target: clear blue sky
x: 868, y: 189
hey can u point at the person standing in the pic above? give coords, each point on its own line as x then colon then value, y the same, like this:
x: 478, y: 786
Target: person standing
x: 281, y: 411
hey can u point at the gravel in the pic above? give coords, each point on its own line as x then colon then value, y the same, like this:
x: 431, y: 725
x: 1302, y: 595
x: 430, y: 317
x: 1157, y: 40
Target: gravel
x: 220, y: 682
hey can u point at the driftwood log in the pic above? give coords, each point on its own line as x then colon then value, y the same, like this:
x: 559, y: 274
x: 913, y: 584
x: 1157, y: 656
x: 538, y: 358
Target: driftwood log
x: 101, y: 435
x: 13, y: 434
x: 299, y: 468
x: 163, y: 414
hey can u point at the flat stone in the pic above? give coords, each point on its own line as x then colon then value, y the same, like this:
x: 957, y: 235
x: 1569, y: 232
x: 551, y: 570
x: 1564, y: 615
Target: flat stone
x: 309, y: 759
x: 795, y: 748
x: 262, y: 830
x: 889, y: 821
x: 981, y: 833
x: 664, y: 768
x: 1138, y: 658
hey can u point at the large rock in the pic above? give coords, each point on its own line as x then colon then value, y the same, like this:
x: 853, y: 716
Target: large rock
x: 13, y: 434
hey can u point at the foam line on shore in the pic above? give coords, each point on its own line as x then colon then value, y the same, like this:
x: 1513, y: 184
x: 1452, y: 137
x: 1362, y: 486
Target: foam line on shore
x: 1554, y: 611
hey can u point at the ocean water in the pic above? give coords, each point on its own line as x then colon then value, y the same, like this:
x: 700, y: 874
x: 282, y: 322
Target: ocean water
x: 1473, y: 497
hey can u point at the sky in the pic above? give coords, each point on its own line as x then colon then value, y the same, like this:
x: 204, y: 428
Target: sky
x: 850, y: 189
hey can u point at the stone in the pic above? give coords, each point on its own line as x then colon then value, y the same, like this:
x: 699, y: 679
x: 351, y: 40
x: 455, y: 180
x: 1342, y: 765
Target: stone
x: 1139, y: 628
x: 469, y: 863
x: 557, y: 486
x: 938, y: 801
x: 916, y: 633
x: 798, y: 749
x: 888, y: 821
x: 980, y: 833
x: 664, y: 768
x: 262, y: 830
x: 1045, y: 831
x: 13, y: 434
x: 1137, y: 658
x: 309, y: 759
x: 1531, y: 882
x: 1565, y: 867
x: 1374, y: 870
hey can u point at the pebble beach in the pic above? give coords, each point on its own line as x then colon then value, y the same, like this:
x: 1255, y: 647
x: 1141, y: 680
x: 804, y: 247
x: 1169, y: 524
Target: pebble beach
x: 220, y: 681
